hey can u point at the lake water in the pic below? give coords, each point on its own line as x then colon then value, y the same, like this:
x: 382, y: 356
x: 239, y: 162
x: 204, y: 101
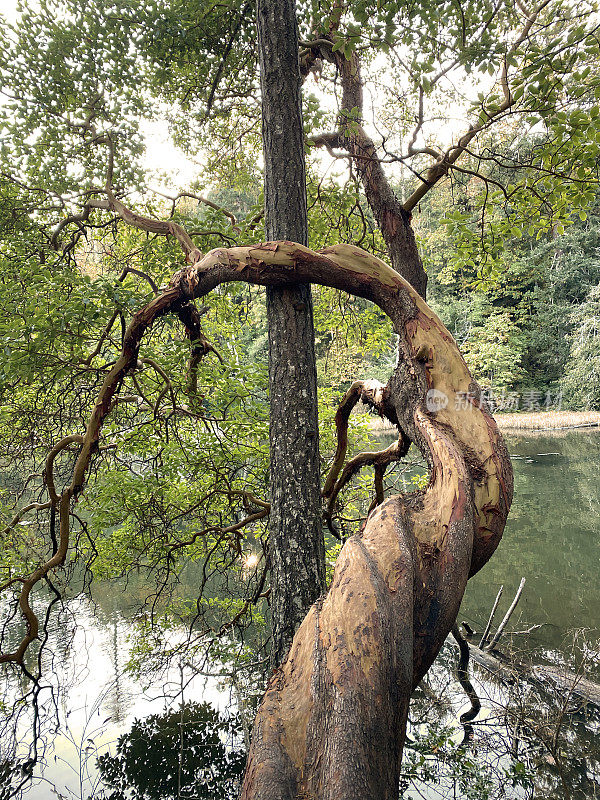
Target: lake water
x: 552, y: 539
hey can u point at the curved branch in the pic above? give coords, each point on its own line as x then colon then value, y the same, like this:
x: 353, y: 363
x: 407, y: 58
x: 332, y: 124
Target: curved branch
x: 74, y: 438
x: 170, y: 228
x: 462, y: 675
x: 101, y: 339
x: 236, y: 527
x: 148, y: 224
x: 203, y: 200
x: 168, y: 385
x: 27, y: 584
x: 82, y: 216
x: 440, y: 169
x: 372, y: 393
x: 332, y: 722
x: 21, y: 513
x: 379, y: 459
x: 140, y: 274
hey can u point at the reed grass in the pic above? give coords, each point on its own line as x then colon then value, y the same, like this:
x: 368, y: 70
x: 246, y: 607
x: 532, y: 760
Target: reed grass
x: 531, y: 421
x: 548, y: 420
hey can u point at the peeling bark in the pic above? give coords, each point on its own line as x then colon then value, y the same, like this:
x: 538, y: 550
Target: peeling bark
x: 332, y: 722
x: 392, y: 218
x: 333, y: 719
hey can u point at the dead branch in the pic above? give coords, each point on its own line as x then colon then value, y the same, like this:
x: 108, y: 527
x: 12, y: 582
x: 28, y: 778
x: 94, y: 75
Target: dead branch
x: 483, y: 639
x: 507, y: 616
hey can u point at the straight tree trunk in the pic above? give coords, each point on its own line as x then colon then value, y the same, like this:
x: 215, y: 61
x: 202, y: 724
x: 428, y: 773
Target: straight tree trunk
x: 296, y: 545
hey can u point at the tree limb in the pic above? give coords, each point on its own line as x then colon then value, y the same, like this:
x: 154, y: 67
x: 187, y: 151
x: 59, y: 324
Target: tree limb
x: 440, y: 169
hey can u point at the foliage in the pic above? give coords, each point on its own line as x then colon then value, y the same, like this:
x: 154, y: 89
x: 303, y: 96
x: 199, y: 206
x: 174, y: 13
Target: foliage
x: 492, y: 343
x: 514, y: 328
x: 581, y: 380
x: 7, y: 779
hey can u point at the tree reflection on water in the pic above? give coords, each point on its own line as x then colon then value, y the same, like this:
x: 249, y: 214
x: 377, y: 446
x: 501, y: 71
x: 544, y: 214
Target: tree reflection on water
x: 192, y: 752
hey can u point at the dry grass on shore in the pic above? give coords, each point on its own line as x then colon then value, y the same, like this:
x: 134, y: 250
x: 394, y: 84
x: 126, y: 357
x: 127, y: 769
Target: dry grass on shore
x: 548, y: 420
x: 530, y: 421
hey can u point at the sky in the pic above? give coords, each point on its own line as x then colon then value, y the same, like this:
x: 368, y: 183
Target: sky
x: 172, y: 171
x: 8, y: 8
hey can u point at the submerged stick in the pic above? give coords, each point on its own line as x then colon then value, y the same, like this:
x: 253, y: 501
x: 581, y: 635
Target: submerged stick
x: 483, y: 639
x: 507, y: 616
x: 462, y: 674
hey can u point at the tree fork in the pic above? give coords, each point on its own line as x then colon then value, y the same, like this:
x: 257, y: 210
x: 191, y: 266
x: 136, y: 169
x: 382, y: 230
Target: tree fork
x: 392, y: 218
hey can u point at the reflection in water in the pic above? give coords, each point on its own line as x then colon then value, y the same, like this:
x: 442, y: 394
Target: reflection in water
x: 85, y: 701
x: 530, y: 742
x: 118, y: 699
x: 90, y: 708
x: 552, y: 539
x: 184, y: 753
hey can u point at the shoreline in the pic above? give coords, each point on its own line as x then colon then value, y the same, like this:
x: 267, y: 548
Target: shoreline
x: 527, y: 421
x: 548, y: 420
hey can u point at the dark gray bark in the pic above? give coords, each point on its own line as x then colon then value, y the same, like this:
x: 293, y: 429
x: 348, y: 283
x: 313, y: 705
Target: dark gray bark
x: 295, y: 536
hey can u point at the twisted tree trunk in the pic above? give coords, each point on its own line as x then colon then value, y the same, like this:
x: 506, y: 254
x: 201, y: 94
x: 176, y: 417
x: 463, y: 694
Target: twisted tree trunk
x: 331, y: 725
x: 332, y: 722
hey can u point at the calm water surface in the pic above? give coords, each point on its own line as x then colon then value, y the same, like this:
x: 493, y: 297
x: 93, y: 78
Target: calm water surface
x: 552, y: 539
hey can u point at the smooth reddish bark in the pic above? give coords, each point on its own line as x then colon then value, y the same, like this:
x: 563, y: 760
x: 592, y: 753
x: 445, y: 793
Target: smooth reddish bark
x: 332, y: 722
